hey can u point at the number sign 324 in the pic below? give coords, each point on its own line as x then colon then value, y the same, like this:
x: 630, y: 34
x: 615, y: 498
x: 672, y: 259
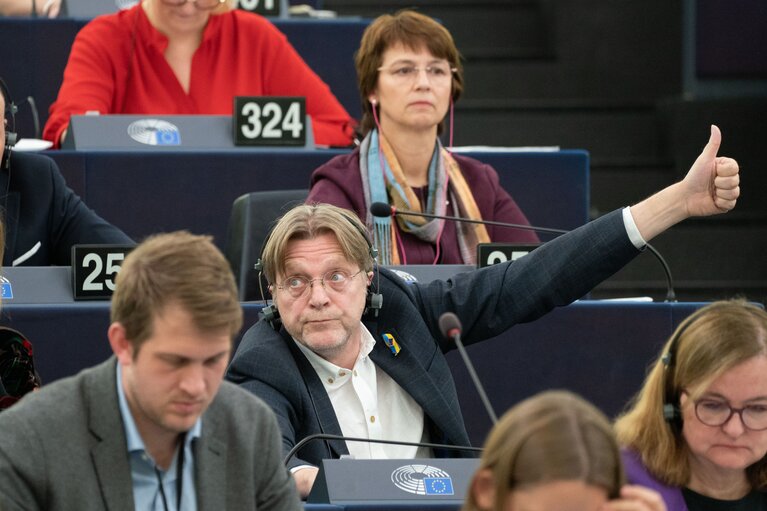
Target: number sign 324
x: 270, y: 121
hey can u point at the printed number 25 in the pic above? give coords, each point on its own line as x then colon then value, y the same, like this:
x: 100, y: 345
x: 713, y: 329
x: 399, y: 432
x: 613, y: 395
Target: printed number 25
x: 89, y: 284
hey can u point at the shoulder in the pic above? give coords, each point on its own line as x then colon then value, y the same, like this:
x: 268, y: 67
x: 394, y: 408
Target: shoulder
x: 637, y: 473
x: 475, y: 170
x: 22, y: 161
x: 338, y: 166
x: 252, y: 24
x: 112, y: 24
x: 238, y: 403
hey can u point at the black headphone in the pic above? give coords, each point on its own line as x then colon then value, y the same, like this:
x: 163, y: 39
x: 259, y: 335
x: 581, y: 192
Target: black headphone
x: 671, y: 412
x: 373, y: 300
x: 10, y: 132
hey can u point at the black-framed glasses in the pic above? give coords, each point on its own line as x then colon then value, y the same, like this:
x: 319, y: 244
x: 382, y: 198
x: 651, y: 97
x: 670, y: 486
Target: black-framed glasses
x: 203, y: 5
x: 337, y: 280
x: 713, y: 412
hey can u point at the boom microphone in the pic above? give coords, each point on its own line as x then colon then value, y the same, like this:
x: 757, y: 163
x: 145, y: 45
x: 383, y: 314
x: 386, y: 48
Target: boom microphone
x: 450, y: 326
x: 381, y: 209
x: 328, y: 436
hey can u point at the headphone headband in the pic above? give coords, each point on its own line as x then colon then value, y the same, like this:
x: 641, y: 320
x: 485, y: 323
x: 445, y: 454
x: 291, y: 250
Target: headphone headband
x: 373, y: 300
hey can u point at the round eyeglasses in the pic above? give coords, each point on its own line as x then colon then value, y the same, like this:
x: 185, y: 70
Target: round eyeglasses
x: 437, y: 74
x: 337, y: 280
x: 712, y: 412
x: 203, y: 5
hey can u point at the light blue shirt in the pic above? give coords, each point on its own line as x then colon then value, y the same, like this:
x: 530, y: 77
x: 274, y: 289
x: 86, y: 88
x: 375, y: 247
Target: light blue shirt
x: 146, y: 490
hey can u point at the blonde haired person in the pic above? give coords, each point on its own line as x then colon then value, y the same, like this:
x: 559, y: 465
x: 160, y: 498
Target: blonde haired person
x: 697, y: 430
x: 554, y: 451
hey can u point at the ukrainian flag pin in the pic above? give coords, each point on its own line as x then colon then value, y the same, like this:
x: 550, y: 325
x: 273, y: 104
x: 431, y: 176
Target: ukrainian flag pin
x: 391, y: 342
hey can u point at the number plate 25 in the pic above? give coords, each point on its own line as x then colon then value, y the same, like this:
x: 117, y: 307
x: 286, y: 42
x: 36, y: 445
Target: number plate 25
x: 94, y: 269
x: 269, y: 121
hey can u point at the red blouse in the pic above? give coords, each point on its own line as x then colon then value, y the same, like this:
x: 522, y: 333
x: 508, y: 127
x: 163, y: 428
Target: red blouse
x: 117, y: 66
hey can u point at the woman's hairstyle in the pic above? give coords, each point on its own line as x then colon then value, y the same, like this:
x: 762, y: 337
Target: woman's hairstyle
x: 308, y: 221
x: 553, y: 436
x: 412, y: 30
x: 708, y: 343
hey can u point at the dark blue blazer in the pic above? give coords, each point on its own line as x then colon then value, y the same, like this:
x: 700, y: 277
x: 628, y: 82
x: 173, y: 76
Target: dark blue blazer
x: 37, y: 206
x: 487, y: 301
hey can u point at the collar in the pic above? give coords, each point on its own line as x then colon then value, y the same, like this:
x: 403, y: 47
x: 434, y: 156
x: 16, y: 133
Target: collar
x: 153, y: 37
x: 332, y: 375
x: 132, y: 436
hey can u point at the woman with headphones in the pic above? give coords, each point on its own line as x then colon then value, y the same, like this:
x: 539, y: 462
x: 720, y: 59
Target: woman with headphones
x: 697, y: 431
x: 409, y: 75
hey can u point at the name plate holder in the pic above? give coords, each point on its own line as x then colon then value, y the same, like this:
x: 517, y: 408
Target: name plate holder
x: 271, y: 121
x: 160, y: 133
x: 409, y: 482
x: 95, y: 268
x: 489, y: 254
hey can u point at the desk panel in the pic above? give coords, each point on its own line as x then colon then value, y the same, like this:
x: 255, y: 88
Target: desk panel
x: 145, y: 192
x: 598, y: 349
x: 36, y: 51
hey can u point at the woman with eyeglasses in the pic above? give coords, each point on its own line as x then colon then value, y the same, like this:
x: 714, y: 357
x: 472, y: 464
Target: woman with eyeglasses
x: 409, y: 75
x: 188, y: 57
x: 697, y: 431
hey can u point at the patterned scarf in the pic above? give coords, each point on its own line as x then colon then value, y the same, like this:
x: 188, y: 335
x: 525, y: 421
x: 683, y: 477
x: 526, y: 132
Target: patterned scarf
x: 390, y: 186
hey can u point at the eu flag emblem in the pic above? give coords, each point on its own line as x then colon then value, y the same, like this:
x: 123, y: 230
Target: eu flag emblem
x: 438, y: 485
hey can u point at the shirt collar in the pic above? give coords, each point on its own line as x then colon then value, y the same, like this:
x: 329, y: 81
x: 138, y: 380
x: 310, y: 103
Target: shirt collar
x: 154, y: 37
x: 132, y: 436
x: 330, y: 373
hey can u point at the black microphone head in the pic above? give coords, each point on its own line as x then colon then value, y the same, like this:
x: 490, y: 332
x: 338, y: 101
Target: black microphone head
x: 381, y: 209
x: 449, y: 324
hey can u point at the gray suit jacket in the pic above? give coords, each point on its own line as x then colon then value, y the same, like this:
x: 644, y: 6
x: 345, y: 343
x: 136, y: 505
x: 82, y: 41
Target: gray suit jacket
x: 64, y: 448
x: 487, y: 301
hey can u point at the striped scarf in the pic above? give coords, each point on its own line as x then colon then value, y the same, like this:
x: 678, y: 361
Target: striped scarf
x: 389, y: 185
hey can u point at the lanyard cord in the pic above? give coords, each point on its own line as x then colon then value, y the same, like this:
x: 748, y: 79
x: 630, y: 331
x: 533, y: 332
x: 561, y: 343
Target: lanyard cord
x: 179, y: 476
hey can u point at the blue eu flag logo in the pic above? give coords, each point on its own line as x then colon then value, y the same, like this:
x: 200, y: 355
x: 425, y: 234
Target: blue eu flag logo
x: 438, y: 485
x: 167, y: 137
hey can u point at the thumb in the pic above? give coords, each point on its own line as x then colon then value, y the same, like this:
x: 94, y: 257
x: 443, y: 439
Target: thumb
x: 713, y: 143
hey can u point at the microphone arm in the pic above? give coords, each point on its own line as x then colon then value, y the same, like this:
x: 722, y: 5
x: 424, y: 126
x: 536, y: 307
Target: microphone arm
x: 396, y: 212
x: 382, y: 209
x: 328, y: 436
x: 450, y: 326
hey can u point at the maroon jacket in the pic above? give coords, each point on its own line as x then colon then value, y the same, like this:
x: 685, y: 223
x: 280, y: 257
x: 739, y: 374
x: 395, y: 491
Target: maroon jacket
x: 338, y: 182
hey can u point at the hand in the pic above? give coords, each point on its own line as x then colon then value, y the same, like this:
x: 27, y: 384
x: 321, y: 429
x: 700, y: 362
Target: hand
x: 712, y: 183
x: 636, y: 498
x: 304, y: 478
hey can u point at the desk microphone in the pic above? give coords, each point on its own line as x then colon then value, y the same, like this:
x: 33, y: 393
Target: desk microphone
x: 382, y: 209
x: 328, y: 436
x: 450, y: 326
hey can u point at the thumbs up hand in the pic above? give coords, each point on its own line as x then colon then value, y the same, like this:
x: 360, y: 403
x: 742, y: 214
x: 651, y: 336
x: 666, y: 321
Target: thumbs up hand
x: 712, y: 183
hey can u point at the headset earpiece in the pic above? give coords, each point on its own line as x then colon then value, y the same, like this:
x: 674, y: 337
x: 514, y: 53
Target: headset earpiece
x: 671, y: 412
x: 272, y: 316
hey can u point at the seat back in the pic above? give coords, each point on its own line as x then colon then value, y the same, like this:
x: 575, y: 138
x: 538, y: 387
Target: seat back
x: 252, y: 218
